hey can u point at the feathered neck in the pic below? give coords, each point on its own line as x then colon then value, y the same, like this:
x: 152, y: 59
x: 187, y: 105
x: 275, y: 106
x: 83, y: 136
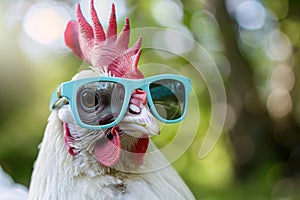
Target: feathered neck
x: 56, y: 172
x: 54, y: 175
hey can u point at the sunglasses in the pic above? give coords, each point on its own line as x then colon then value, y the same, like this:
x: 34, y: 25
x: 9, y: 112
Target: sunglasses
x: 101, y: 102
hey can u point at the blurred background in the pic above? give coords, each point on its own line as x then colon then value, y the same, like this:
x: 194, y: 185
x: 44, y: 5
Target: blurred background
x: 255, y: 45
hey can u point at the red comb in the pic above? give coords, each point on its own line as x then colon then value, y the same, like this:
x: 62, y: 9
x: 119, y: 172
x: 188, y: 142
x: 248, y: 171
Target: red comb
x: 91, y: 44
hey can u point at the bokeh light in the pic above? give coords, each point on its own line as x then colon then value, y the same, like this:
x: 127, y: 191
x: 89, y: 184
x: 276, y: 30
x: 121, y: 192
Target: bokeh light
x: 230, y: 117
x: 43, y: 27
x: 180, y: 44
x: 250, y: 14
x: 45, y: 23
x: 282, y: 77
x: 279, y: 103
x: 284, y: 189
x: 207, y: 30
x: 167, y: 13
x: 278, y: 46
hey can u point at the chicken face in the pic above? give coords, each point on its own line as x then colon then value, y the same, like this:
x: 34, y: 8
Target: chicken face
x: 100, y: 104
x: 117, y: 106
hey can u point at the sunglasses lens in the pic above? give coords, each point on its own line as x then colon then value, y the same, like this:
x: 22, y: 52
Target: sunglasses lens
x: 99, y: 103
x: 168, y: 96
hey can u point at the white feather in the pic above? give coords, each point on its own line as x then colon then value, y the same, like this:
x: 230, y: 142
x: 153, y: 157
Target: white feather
x: 55, y: 175
x: 10, y: 190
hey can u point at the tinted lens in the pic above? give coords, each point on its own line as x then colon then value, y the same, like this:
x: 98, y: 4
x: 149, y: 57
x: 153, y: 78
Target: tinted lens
x: 168, y: 97
x: 99, y: 103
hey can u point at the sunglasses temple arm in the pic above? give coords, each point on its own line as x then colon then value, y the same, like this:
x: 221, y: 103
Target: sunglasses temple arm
x: 57, y: 100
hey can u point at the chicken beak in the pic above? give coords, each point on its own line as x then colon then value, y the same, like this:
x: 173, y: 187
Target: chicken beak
x: 139, y: 122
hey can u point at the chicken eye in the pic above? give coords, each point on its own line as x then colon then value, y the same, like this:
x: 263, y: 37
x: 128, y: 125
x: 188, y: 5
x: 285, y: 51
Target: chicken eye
x: 89, y: 100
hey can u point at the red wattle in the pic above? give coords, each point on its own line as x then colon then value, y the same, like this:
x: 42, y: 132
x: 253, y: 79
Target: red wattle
x: 68, y: 138
x: 141, y: 148
x: 108, y: 151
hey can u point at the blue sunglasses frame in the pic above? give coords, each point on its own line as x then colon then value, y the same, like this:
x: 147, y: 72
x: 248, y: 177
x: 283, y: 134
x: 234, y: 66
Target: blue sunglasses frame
x: 67, y: 91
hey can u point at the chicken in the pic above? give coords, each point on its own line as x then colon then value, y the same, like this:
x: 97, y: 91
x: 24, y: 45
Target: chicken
x: 96, y: 144
x: 10, y: 190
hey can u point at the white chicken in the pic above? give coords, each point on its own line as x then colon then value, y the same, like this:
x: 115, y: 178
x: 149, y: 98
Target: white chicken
x: 10, y: 190
x: 87, y: 151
